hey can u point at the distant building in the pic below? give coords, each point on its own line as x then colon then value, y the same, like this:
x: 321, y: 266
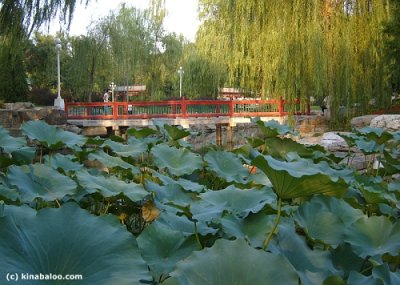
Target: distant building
x: 130, y: 91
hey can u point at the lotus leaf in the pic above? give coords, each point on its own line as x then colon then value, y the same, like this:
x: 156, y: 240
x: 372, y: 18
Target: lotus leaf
x: 112, y: 161
x: 162, y: 248
x: 111, y: 186
x: 371, y: 236
x: 302, y: 177
x: 51, y: 136
x: 9, y: 144
x: 233, y: 262
x: 313, y: 266
x: 177, y: 161
x: 240, y: 202
x: 69, y: 240
x: 253, y: 228
x: 273, y: 128
x: 325, y: 218
x: 227, y: 165
x: 40, y: 181
x: 184, y: 183
x: 134, y: 147
x: 175, y: 132
x: 65, y: 163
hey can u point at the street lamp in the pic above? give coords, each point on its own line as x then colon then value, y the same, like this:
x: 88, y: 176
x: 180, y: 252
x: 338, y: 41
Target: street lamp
x: 181, y: 72
x: 112, y: 86
x: 58, y: 102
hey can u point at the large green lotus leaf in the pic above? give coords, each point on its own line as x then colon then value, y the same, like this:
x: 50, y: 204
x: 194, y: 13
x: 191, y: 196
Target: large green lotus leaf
x: 112, y: 161
x: 169, y: 218
x: 69, y: 240
x: 227, y: 166
x: 170, y: 193
x: 177, y: 161
x: 379, y: 135
x: 163, y: 247
x: 184, y: 183
x: 111, y: 186
x: 367, y: 146
x: 233, y: 262
x: 394, y: 186
x: 134, y: 148
x: 240, y: 202
x: 175, y: 132
x: 344, y: 258
x: 253, y: 228
x: 356, y: 278
x: 24, y: 154
x: 17, y: 213
x: 7, y: 192
x: 371, y: 236
x: 302, y: 177
x: 332, y: 218
x: 273, y: 128
x: 384, y: 273
x: 141, y: 133
x: 205, y: 212
x: 64, y: 162
x: 38, y: 180
x: 279, y: 147
x: 8, y: 144
x: 313, y: 266
x: 51, y: 136
x: 16, y: 146
x: 324, y: 226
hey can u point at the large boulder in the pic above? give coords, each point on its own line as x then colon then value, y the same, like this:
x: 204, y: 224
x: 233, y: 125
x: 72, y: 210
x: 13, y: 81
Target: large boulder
x: 333, y: 142
x: 387, y: 122
x: 362, y: 121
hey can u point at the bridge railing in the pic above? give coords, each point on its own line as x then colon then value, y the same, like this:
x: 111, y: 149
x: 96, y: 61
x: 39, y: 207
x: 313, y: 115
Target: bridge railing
x: 181, y: 108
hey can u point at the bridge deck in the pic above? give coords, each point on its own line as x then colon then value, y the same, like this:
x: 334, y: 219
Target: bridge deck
x: 178, y: 112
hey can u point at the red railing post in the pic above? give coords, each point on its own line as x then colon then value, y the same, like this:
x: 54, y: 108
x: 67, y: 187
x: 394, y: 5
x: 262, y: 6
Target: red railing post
x: 184, y: 107
x: 281, y: 106
x: 231, y: 108
x: 115, y: 110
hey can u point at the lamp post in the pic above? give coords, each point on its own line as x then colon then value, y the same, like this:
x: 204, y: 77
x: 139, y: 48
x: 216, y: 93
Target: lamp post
x: 112, y: 86
x: 58, y: 102
x: 181, y: 72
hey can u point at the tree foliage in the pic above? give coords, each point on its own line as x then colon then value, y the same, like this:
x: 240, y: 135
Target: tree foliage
x: 25, y: 16
x: 300, y: 48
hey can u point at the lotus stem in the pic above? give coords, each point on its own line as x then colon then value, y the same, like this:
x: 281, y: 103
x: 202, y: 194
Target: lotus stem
x: 278, y: 216
x: 197, y: 236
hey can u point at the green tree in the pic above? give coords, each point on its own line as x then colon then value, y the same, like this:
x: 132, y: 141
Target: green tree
x: 31, y: 14
x: 300, y: 48
x: 202, y: 78
x: 13, y: 84
x: 392, y: 30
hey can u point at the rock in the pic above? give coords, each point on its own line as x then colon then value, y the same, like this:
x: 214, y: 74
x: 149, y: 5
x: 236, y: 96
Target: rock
x: 19, y: 106
x: 333, y: 142
x: 56, y: 117
x: 362, y: 121
x: 387, y: 122
x: 71, y: 128
x: 94, y: 131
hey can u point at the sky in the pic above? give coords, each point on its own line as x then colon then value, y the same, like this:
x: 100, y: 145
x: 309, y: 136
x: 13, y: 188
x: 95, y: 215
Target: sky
x: 181, y: 17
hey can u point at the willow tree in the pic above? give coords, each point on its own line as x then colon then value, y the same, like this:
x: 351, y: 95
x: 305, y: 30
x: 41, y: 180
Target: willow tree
x: 129, y: 44
x: 31, y: 14
x: 300, y: 48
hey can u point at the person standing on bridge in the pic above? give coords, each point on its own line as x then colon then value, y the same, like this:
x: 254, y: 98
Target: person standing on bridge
x: 106, y: 96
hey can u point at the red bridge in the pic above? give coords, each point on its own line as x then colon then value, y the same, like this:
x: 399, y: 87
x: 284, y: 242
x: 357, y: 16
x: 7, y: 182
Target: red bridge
x: 184, y: 109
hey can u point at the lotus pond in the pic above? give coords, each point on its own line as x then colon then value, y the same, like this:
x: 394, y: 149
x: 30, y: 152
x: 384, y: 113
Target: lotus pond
x: 152, y: 210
